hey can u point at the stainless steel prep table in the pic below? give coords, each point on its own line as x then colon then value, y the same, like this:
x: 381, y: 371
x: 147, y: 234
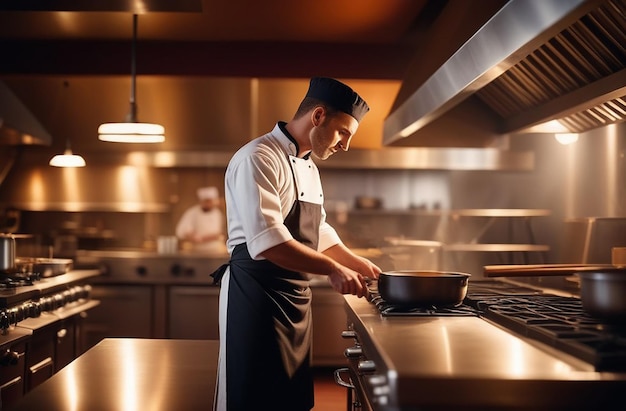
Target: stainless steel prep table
x: 470, y: 363
x: 132, y: 374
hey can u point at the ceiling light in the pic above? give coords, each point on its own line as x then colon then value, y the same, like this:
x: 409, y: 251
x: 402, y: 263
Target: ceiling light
x: 67, y: 159
x: 552, y: 126
x: 566, y: 138
x: 132, y: 131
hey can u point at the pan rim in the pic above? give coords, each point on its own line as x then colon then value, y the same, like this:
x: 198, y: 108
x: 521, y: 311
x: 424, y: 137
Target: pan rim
x: 426, y: 273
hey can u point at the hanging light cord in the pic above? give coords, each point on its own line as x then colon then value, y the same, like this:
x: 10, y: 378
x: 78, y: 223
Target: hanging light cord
x: 132, y: 131
x: 132, y: 114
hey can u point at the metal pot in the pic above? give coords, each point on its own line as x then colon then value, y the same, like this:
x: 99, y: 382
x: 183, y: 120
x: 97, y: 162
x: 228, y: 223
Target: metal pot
x: 7, y: 252
x: 602, y: 293
x: 602, y: 286
x: 423, y: 288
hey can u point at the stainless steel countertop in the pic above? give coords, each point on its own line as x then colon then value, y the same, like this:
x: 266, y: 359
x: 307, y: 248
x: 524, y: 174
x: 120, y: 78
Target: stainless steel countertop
x: 468, y: 361
x: 132, y: 374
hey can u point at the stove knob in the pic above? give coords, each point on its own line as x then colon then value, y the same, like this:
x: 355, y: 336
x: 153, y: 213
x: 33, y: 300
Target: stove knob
x: 352, y: 352
x: 12, y: 314
x: 379, y: 388
x: 35, y: 309
x: 9, y: 358
x: 17, y: 314
x: 56, y: 301
x: 46, y: 303
x: 348, y: 334
x: 366, y: 366
x: 176, y: 270
x: 86, y: 291
x: 25, y: 308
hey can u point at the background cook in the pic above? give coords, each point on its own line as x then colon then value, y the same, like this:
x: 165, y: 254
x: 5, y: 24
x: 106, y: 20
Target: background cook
x: 203, y: 223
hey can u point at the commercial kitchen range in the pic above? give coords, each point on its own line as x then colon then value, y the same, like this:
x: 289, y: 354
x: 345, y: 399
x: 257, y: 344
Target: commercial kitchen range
x: 41, y: 326
x: 509, y: 346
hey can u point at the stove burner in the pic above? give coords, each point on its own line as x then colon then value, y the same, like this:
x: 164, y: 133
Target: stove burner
x: 554, y: 320
x: 393, y: 310
x: 10, y: 279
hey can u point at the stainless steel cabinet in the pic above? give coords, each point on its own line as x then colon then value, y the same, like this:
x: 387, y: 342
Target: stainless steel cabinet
x: 329, y: 320
x: 193, y: 312
x: 124, y: 311
x: 12, y: 373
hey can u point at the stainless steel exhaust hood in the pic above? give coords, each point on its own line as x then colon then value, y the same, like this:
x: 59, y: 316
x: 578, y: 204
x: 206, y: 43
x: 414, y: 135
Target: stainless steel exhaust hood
x: 18, y: 126
x: 532, y: 62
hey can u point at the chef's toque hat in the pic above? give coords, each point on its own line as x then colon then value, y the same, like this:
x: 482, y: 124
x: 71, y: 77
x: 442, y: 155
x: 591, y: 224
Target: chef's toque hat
x: 208, y: 193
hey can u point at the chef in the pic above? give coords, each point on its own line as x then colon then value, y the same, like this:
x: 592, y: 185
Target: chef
x: 277, y: 232
x: 203, y: 223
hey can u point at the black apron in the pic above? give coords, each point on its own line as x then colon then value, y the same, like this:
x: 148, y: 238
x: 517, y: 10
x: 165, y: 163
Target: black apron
x: 268, y: 327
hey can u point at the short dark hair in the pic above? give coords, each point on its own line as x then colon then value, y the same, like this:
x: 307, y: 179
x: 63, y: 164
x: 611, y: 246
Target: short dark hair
x: 309, y: 103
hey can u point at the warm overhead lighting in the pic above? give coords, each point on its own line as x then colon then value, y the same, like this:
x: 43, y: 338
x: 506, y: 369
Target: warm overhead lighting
x: 132, y: 131
x: 566, y: 138
x: 552, y: 126
x: 67, y: 159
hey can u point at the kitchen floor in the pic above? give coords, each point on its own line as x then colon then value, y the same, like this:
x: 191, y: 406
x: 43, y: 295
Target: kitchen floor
x: 328, y: 395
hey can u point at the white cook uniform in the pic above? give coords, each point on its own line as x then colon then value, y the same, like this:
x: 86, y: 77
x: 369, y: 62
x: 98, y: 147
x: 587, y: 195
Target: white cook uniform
x: 195, y: 221
x: 263, y: 195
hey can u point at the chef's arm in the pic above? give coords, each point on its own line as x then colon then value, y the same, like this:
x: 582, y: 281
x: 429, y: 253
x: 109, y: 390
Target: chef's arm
x: 345, y: 256
x: 292, y: 255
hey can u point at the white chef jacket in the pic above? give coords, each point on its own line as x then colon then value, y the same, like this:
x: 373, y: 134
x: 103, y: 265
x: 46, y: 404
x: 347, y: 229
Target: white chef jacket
x: 260, y: 192
x: 195, y: 220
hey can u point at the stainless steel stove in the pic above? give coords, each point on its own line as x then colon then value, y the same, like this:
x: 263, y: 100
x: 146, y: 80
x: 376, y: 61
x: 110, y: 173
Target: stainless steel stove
x: 506, y: 347
x: 557, y: 321
x: 40, y: 326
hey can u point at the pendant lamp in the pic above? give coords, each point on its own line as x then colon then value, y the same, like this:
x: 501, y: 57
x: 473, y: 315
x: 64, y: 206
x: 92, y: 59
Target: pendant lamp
x: 132, y: 131
x: 68, y: 158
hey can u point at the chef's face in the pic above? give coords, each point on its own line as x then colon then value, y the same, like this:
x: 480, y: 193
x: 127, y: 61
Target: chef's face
x: 331, y: 133
x: 208, y: 204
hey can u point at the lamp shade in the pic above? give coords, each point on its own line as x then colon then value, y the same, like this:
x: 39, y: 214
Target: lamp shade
x: 131, y: 133
x: 67, y: 159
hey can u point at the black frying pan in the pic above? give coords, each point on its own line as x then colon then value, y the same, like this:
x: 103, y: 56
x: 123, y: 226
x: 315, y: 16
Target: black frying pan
x: 423, y: 288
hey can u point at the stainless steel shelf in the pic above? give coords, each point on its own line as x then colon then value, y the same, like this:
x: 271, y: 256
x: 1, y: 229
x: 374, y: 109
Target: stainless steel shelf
x: 496, y: 247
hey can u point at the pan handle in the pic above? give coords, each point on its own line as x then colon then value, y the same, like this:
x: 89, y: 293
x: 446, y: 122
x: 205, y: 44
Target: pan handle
x: 534, y: 270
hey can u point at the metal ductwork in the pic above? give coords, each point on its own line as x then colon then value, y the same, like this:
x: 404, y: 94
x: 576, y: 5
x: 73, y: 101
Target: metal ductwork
x: 18, y: 126
x: 532, y: 62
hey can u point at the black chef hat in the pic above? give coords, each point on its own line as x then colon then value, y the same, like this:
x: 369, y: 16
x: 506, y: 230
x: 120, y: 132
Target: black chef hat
x: 338, y: 95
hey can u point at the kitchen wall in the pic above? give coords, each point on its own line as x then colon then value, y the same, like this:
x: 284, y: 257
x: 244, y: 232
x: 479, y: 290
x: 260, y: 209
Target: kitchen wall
x: 582, y: 180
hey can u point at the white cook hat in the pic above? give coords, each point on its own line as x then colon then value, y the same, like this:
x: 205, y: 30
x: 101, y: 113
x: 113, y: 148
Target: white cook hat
x: 208, y: 193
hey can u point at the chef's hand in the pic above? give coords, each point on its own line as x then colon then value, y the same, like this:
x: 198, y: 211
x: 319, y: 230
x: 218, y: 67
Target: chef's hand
x: 347, y: 281
x: 368, y: 269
